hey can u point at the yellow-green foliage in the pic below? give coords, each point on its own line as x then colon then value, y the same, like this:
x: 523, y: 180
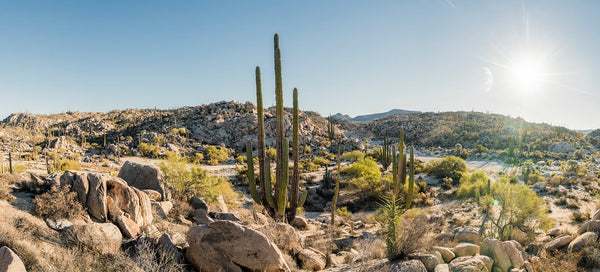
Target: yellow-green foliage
x: 147, y: 150
x: 63, y: 165
x: 519, y: 208
x: 242, y: 159
x: 343, y: 212
x: 179, y: 131
x: 353, y: 156
x: 216, y: 155
x: 271, y: 153
x: 197, y: 158
x: 20, y: 168
x: 194, y: 180
x: 307, y: 150
x: 473, y: 185
x: 307, y: 166
x: 366, y: 168
x: 321, y: 161
x: 451, y: 166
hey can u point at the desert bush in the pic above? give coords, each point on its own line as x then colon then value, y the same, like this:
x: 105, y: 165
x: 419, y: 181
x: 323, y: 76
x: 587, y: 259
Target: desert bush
x: 353, y: 156
x: 321, y: 161
x: 580, y: 217
x: 241, y: 159
x: 473, y: 185
x: 411, y: 235
x: 59, y: 202
x: 451, y: 166
x: 216, y: 155
x: 147, y: 150
x: 366, y: 168
x: 307, y: 166
x: 63, y: 165
x: 151, y: 257
x: 557, y: 261
x: 519, y: 208
x: 271, y: 153
x: 194, y: 180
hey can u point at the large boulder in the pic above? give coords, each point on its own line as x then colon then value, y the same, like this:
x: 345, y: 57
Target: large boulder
x: 477, y: 263
x: 101, y: 237
x: 592, y: 225
x: 406, y: 266
x: 442, y: 268
x: 446, y: 253
x: 127, y: 226
x: 429, y: 260
x: 586, y: 239
x: 143, y: 176
x: 558, y: 242
x: 96, y: 199
x: 284, y: 236
x: 506, y: 255
x: 10, y: 262
x: 228, y: 246
x: 312, y: 260
x: 466, y: 249
x: 467, y: 234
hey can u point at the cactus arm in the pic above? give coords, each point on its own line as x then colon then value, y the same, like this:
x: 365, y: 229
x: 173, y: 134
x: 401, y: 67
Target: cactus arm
x: 251, y: 180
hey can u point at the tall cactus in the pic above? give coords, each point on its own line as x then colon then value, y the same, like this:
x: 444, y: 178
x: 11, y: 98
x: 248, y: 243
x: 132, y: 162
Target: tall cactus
x: 411, y: 179
x: 401, y: 159
x: 386, y: 156
x: 10, y: 168
x: 279, y: 205
x: 330, y: 128
x: 295, y: 184
x: 337, y: 185
x: 251, y: 179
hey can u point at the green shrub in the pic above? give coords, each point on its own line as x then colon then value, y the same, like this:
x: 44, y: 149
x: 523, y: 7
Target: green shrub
x: 473, y: 185
x: 241, y: 159
x: 271, y: 153
x: 451, y: 166
x: 63, y: 165
x: 321, y: 161
x: 147, y: 150
x: 353, y: 156
x: 194, y: 180
x: 216, y: 155
x: 366, y: 168
x: 307, y: 166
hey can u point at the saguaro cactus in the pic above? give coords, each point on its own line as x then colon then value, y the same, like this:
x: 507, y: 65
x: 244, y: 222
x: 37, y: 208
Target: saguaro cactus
x: 386, y: 156
x: 279, y: 206
x: 337, y: 186
x: 10, y: 168
x: 411, y: 179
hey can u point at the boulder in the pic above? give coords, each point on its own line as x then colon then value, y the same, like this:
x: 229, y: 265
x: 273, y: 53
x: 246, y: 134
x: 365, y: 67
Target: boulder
x: 467, y: 234
x: 300, y: 223
x: 162, y: 209
x: 261, y: 218
x: 198, y: 203
x: 228, y: 246
x: 153, y: 195
x: 446, y: 253
x: 588, y: 238
x: 592, y: 225
x: 221, y: 205
x: 10, y: 262
x: 596, y: 215
x: 166, y: 245
x: 96, y: 199
x: 477, y: 263
x: 101, y: 237
x: 429, y: 260
x: 224, y: 216
x: 128, y: 227
x: 311, y: 260
x: 201, y: 217
x: 284, y: 236
x: 58, y: 224
x: 442, y: 268
x: 145, y: 177
x: 506, y: 255
x: 559, y: 242
x: 466, y: 249
x: 406, y: 266
x: 145, y: 207
x: 342, y: 257
x: 81, y: 186
x: 124, y: 198
x: 553, y: 232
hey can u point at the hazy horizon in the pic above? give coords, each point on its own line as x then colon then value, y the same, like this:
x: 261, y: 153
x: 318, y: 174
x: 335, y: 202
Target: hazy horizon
x: 531, y: 59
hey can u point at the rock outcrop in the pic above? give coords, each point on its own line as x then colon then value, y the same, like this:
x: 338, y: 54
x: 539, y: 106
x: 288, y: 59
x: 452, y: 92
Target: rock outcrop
x: 228, y: 246
x: 101, y: 237
x: 10, y: 262
x: 143, y: 176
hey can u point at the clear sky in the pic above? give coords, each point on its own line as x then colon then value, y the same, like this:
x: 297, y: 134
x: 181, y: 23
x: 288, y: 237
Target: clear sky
x: 354, y: 57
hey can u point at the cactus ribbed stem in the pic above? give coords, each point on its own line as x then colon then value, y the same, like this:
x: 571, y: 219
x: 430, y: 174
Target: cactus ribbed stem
x: 250, y: 173
x: 268, y: 186
x: 337, y: 186
x: 10, y: 168
x: 282, y: 184
x: 294, y: 188
x: 261, y: 135
x: 411, y: 179
x: 280, y: 133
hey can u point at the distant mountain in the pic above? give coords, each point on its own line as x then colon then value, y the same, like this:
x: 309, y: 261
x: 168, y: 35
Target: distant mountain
x: 373, y: 116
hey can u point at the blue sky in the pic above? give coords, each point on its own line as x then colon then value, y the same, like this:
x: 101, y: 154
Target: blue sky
x: 354, y: 57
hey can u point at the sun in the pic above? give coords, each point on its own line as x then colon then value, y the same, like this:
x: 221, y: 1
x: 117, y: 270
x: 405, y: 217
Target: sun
x: 527, y: 73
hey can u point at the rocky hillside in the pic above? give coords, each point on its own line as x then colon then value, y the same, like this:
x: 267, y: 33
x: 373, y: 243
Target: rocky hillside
x: 182, y: 130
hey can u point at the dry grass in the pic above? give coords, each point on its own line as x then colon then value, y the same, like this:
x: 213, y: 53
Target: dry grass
x: 58, y: 203
x: 557, y: 262
x: 369, y: 249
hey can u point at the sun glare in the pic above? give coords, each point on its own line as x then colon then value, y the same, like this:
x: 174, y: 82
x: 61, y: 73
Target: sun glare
x: 527, y: 73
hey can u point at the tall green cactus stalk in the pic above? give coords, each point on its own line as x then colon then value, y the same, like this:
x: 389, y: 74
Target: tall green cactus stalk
x: 386, y: 157
x: 251, y: 180
x: 295, y: 184
x: 261, y: 136
x: 10, y: 168
x: 47, y: 163
x: 395, y: 169
x: 337, y: 185
x: 401, y: 172
x: 411, y: 179
x: 330, y: 128
x: 279, y: 205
